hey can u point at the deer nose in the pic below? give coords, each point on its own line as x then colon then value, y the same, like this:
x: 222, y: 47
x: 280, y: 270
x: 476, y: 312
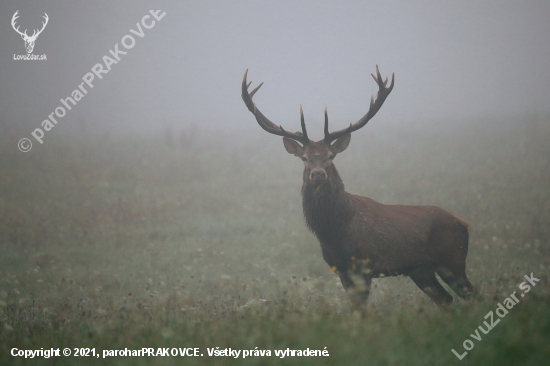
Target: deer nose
x: 318, y: 175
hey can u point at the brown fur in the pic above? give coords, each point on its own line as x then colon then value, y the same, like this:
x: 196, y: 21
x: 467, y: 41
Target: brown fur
x: 362, y: 239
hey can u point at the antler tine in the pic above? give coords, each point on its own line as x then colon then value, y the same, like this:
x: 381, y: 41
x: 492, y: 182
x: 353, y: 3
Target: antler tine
x: 326, y: 123
x: 255, y: 89
x: 13, y: 19
x: 375, y: 105
x: 303, y: 123
x: 46, y: 18
x: 328, y: 136
x: 264, y: 122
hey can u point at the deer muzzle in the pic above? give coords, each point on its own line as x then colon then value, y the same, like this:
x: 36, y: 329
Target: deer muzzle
x: 318, y: 176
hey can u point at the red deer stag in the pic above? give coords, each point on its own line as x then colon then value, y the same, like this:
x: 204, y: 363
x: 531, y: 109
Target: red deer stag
x: 362, y: 239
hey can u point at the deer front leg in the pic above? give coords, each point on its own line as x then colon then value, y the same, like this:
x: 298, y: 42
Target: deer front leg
x: 356, y: 282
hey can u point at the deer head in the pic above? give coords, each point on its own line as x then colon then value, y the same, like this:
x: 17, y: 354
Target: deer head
x: 29, y: 40
x: 317, y: 155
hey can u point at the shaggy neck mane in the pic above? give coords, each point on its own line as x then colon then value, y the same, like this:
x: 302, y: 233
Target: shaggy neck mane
x: 327, y: 208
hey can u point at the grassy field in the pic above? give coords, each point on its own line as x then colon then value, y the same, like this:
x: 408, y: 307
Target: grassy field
x: 169, y: 242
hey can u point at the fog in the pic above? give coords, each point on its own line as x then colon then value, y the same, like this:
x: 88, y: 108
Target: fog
x: 453, y: 61
x: 152, y: 211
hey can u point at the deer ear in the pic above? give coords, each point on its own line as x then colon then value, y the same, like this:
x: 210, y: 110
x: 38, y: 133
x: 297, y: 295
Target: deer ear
x: 292, y: 147
x: 341, y: 143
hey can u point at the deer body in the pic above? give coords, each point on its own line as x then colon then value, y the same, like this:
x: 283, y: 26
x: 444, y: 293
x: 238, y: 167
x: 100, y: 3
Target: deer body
x: 363, y: 239
x: 389, y: 236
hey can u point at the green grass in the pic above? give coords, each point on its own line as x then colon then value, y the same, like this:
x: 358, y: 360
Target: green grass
x: 128, y: 243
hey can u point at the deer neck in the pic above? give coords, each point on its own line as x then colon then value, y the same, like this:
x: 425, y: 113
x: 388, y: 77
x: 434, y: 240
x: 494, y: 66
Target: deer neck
x: 327, y: 208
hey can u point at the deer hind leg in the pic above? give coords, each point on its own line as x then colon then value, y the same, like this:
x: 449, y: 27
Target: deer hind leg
x: 425, y: 279
x: 458, y: 281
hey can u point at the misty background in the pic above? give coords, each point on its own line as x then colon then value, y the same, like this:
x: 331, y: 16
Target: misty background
x: 157, y: 212
x: 454, y: 61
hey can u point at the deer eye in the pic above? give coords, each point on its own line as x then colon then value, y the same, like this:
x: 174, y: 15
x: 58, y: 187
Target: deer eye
x: 304, y: 158
x: 330, y: 157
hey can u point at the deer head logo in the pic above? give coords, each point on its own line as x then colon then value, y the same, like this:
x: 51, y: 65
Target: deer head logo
x: 29, y: 40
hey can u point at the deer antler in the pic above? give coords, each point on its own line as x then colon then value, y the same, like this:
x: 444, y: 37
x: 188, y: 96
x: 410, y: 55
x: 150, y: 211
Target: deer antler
x: 265, y: 123
x: 35, y: 34
x: 13, y: 19
x: 375, y: 105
